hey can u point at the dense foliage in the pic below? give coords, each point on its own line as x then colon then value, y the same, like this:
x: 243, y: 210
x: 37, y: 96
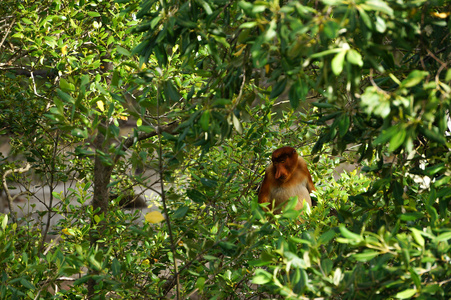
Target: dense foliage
x: 210, y: 89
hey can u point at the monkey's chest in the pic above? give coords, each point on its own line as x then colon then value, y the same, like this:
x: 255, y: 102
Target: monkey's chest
x: 283, y: 193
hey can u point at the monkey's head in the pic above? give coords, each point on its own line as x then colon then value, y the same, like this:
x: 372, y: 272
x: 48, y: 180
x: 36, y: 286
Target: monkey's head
x: 284, y: 160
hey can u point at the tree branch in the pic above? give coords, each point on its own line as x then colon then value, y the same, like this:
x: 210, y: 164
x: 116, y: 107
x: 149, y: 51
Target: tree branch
x: 5, y: 186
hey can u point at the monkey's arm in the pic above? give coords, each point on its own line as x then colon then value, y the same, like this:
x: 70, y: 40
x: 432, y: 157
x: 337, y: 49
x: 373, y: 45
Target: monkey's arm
x: 304, y: 170
x: 263, y: 194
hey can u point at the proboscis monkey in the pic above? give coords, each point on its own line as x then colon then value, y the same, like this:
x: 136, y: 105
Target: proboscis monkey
x: 286, y: 177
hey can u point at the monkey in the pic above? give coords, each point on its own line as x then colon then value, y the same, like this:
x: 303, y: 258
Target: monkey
x: 286, y: 177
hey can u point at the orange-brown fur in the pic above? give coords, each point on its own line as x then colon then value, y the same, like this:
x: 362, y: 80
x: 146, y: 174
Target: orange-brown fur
x: 286, y: 177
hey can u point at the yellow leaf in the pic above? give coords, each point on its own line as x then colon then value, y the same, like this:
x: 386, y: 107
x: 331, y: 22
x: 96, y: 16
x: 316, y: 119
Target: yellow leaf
x: 267, y: 69
x: 100, y: 105
x: 242, y: 47
x: 66, y: 231
x: 442, y: 15
x: 154, y: 217
x: 64, y: 50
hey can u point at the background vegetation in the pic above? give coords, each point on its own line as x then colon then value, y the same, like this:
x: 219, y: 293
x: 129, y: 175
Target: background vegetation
x: 211, y: 88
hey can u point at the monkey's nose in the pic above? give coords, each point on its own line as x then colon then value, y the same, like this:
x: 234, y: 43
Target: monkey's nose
x: 281, y: 178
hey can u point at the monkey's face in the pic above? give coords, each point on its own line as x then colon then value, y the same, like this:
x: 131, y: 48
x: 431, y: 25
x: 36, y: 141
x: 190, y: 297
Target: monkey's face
x: 283, y: 169
x: 284, y: 161
x: 281, y: 173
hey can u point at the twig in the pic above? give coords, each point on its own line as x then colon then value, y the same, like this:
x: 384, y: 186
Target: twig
x: 163, y: 199
x: 5, y: 186
x: 374, y: 83
x: 7, y: 32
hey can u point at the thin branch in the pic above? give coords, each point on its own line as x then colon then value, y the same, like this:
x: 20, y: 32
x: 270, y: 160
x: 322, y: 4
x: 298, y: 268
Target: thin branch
x: 7, y: 32
x: 163, y: 199
x: 52, y: 187
x: 374, y: 83
x: 5, y: 186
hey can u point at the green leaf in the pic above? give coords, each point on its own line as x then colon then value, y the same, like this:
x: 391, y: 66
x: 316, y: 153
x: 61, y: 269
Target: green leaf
x: 365, y: 18
x: 97, y: 218
x: 196, y: 196
x: 248, y: 24
x: 79, y: 133
x: 27, y: 284
x: 204, y: 120
x: 327, y: 52
x: 278, y: 88
x: 93, y: 14
x: 343, y: 125
x: 200, y: 283
x: 350, y: 235
x: 146, y: 129
x: 338, y: 62
x: 414, y: 78
x: 295, y: 260
x: 298, y: 92
x: 261, y: 277
x: 448, y: 75
x: 380, y: 24
x: 378, y: 5
x: 397, y: 139
x: 270, y: 32
x: 123, y: 51
x: 97, y: 266
x: 155, y: 21
x: 66, y: 86
x: 206, y: 6
x: 171, y: 92
x: 434, y: 169
x: 354, y: 57
x: 411, y: 216
x: 415, y: 277
x: 4, y: 222
x: 331, y: 29
x: 432, y: 135
x: 116, y: 267
x: 443, y: 237
x: 65, y: 96
x: 326, y: 237
x: 385, y: 135
x: 337, y: 276
x: 365, y: 256
x: 180, y: 212
x: 237, y: 124
x: 406, y: 294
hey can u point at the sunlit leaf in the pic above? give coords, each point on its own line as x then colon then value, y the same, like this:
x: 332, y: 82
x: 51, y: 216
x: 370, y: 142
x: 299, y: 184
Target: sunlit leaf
x: 414, y: 78
x: 261, y: 277
x: 397, y: 139
x: 100, y: 105
x: 154, y: 217
x: 406, y: 294
x: 338, y: 62
x: 354, y: 57
x: 237, y: 124
x: 366, y: 255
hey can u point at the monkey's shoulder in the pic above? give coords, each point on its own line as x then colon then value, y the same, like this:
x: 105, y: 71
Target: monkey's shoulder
x: 301, y: 163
